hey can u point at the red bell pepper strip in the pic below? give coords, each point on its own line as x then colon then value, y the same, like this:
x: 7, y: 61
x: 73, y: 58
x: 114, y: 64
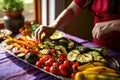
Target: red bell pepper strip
x: 34, y: 51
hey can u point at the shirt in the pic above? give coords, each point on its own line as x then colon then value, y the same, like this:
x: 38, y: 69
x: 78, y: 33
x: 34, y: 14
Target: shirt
x: 99, y: 9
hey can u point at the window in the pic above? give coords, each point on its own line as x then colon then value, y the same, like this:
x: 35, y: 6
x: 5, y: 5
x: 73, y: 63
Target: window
x: 28, y: 10
x: 32, y: 11
x: 40, y: 11
x: 50, y: 10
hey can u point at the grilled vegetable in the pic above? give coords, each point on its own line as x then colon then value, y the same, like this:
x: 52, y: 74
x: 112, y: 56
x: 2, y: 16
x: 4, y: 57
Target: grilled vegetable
x: 72, y: 55
x: 71, y: 45
x: 90, y: 65
x: 21, y: 55
x: 61, y: 48
x: 83, y: 49
x: 97, y: 57
x: 31, y: 57
x: 101, y: 51
x: 84, y: 58
x: 63, y: 41
x: 95, y: 76
x: 44, y: 51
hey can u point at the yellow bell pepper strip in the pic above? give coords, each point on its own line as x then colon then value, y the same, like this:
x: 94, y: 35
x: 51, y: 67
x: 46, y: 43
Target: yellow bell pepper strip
x: 79, y: 76
x: 16, y: 45
x: 32, y: 40
x: 28, y: 41
x: 14, y: 40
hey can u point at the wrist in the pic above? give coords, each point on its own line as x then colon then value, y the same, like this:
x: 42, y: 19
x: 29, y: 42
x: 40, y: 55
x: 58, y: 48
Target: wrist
x: 54, y: 26
x: 115, y: 27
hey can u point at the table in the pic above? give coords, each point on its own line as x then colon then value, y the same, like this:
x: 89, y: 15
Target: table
x: 11, y: 68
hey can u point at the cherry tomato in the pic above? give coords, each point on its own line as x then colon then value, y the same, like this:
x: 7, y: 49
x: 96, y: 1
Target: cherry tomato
x: 42, y: 60
x: 52, y: 51
x: 49, y: 62
x: 54, y: 69
x: 38, y: 64
x: 46, y: 68
x: 66, y: 63
x: 60, y: 60
x: 63, y: 70
x: 75, y: 65
x: 55, y: 64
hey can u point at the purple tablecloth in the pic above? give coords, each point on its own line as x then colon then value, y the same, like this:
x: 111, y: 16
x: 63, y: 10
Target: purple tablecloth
x: 11, y: 68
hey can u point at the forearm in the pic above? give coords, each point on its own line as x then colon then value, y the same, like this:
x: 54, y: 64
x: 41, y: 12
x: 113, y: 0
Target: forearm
x: 115, y: 25
x: 68, y: 15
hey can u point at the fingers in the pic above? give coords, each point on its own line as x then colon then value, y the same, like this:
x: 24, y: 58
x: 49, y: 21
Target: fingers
x: 43, y: 32
x: 97, y: 31
x: 101, y: 28
x: 96, y: 34
x: 38, y: 33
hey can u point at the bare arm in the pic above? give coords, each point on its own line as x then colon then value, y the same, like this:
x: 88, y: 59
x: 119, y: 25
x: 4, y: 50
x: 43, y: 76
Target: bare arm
x: 115, y: 25
x: 68, y: 15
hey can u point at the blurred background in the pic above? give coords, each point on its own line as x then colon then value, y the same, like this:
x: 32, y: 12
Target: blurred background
x: 48, y: 10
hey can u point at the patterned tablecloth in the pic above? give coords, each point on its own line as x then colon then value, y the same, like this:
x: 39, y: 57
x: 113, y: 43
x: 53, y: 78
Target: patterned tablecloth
x: 11, y: 68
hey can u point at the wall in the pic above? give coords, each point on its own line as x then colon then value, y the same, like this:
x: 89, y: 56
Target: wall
x: 82, y: 25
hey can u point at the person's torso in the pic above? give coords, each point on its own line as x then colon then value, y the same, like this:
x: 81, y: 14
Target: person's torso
x: 100, y: 8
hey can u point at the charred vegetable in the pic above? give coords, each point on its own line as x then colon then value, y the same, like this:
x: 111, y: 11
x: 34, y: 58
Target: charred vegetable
x: 31, y: 57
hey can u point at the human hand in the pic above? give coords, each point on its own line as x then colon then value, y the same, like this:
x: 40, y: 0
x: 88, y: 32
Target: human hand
x: 101, y: 28
x: 43, y: 32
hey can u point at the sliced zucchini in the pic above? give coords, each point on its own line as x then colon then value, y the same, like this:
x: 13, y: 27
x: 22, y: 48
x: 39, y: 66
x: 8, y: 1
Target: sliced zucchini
x: 44, y: 51
x: 93, y: 53
x: 97, y: 56
x: 83, y: 49
x: 100, y: 58
x: 79, y: 58
x: 84, y: 58
x: 101, y: 51
x: 72, y: 55
x: 61, y: 48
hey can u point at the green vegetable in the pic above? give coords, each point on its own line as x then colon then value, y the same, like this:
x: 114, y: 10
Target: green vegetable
x: 84, y: 58
x: 97, y: 57
x: 31, y: 57
x: 83, y: 49
x: 63, y: 41
x: 72, y: 55
x: 101, y: 51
